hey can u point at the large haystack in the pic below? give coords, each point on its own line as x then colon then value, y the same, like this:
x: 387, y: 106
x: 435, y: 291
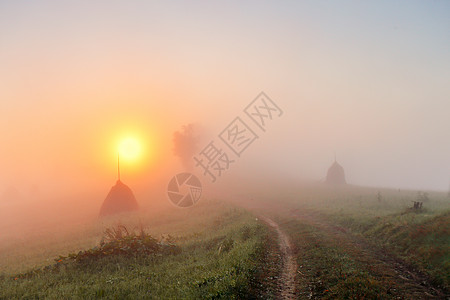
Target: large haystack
x: 120, y: 199
x: 336, y: 174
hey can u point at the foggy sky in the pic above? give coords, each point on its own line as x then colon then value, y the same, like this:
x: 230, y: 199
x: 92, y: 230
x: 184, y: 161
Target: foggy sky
x: 368, y: 81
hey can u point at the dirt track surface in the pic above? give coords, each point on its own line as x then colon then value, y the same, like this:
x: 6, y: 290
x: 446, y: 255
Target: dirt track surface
x: 289, y: 269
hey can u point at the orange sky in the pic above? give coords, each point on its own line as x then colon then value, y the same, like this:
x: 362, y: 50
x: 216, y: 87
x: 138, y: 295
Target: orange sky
x: 366, y: 82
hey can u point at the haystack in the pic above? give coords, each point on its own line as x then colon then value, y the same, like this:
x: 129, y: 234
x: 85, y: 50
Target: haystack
x: 120, y: 199
x: 336, y: 174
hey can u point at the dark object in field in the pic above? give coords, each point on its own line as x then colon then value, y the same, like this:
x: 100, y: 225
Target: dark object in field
x: 120, y: 199
x: 336, y: 174
x: 417, y: 205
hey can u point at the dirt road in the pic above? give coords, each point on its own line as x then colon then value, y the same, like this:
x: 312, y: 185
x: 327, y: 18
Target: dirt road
x: 289, y: 268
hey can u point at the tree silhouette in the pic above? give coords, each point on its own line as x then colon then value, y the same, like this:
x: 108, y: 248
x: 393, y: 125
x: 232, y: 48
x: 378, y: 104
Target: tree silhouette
x: 185, y: 145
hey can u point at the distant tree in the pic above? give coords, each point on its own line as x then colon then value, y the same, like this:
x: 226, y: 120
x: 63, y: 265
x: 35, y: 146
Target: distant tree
x: 185, y: 145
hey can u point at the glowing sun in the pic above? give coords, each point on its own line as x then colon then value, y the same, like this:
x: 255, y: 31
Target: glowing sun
x: 129, y: 148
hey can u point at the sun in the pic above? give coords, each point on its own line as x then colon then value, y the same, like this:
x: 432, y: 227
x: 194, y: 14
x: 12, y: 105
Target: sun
x: 129, y: 148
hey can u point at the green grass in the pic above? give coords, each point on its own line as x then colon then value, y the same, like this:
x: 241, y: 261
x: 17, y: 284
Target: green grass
x: 330, y: 270
x: 225, y: 253
x: 419, y: 237
x: 222, y: 251
x: 424, y: 243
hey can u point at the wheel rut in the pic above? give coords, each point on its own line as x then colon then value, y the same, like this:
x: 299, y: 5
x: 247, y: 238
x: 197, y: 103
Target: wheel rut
x: 289, y: 269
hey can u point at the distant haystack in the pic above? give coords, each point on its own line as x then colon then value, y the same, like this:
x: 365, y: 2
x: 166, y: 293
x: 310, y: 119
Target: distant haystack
x: 336, y: 174
x: 120, y: 199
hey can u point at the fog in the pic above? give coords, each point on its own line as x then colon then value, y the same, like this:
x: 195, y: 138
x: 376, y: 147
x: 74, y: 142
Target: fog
x: 366, y: 83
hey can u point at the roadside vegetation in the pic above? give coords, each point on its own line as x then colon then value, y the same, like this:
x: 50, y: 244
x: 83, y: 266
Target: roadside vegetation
x: 343, y: 233
x: 331, y: 269
x: 218, y: 252
x: 420, y: 237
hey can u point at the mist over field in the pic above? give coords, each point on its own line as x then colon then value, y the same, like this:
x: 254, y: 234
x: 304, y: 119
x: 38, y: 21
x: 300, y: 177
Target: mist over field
x: 161, y: 85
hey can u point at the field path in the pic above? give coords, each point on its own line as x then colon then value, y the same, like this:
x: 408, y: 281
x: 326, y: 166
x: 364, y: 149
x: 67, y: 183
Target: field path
x: 287, y: 280
x: 409, y: 278
x: 410, y: 282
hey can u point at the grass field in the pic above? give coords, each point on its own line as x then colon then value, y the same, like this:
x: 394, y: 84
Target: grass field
x: 421, y: 237
x: 349, y: 242
x: 221, y: 256
x: 341, y: 232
